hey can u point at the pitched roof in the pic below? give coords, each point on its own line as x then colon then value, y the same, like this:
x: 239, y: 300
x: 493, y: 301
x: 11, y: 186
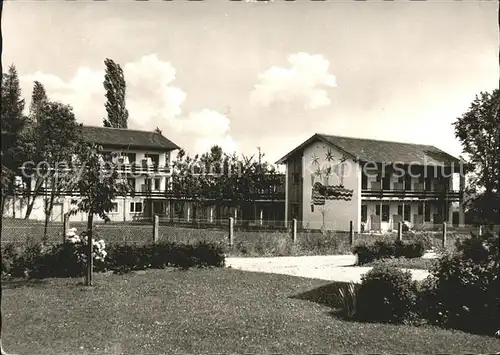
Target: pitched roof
x: 377, y: 151
x: 128, y: 138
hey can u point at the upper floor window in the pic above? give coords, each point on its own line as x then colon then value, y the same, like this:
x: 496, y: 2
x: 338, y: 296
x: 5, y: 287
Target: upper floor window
x: 364, y: 180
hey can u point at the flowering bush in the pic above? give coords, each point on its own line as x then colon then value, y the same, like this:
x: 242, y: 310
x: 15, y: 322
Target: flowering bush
x: 79, y: 245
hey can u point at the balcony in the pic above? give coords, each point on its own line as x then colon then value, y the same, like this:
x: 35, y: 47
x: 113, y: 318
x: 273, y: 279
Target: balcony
x: 419, y: 193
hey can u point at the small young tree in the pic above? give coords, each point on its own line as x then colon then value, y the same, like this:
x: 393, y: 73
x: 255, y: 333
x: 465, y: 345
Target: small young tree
x: 98, y: 185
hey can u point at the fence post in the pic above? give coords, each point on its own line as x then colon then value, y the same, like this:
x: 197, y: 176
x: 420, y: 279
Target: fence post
x: 231, y: 231
x: 65, y: 226
x: 351, y: 233
x: 444, y: 235
x: 156, y: 224
x: 400, y: 231
x: 294, y: 230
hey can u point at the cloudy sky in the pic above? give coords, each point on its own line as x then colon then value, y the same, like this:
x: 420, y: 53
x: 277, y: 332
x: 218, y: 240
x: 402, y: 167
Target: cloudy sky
x: 245, y: 75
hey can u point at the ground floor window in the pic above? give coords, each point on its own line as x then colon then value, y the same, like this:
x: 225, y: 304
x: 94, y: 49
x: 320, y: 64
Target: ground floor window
x: 385, y: 213
x: 114, y: 209
x: 135, y: 207
x: 364, y: 213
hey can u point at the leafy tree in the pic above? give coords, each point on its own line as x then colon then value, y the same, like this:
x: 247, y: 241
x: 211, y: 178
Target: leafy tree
x: 32, y: 146
x: 60, y: 137
x: 12, y: 124
x: 479, y: 132
x: 38, y: 99
x: 114, y: 83
x: 97, y: 185
x: 222, y: 179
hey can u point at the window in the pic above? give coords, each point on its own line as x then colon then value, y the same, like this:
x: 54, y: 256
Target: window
x: 385, y: 213
x: 407, y: 213
x: 420, y: 209
x: 114, y: 209
x: 157, y: 183
x: 364, y: 180
x: 312, y: 208
x: 400, y: 210
x: 135, y: 207
x: 364, y: 213
x: 155, y: 158
x: 428, y: 183
x: 131, y: 183
x: 386, y: 182
x: 407, y: 182
x: 131, y: 158
x: 377, y: 210
x: 427, y: 212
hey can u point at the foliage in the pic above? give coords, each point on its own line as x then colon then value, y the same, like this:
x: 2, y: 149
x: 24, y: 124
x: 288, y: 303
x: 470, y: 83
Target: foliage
x: 12, y: 124
x: 125, y: 258
x: 479, y: 132
x: 222, y: 178
x: 346, y: 296
x: 462, y: 291
x: 98, y: 185
x: 387, y: 295
x: 115, y: 85
x: 382, y: 249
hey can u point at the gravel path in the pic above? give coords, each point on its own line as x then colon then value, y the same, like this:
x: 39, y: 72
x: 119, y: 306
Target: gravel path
x: 329, y: 267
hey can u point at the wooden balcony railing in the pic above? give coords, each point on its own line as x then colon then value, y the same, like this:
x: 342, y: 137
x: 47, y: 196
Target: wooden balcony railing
x: 450, y: 195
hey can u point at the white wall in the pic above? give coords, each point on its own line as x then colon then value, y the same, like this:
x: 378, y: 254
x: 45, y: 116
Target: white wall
x: 337, y: 213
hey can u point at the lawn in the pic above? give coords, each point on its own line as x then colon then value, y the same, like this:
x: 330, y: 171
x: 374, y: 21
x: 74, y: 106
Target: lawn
x: 202, y: 311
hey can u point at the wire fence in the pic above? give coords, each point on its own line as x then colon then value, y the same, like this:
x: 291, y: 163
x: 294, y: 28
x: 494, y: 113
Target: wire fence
x: 240, y: 238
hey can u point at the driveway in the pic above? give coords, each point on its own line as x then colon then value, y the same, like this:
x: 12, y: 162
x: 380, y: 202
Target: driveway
x: 324, y: 267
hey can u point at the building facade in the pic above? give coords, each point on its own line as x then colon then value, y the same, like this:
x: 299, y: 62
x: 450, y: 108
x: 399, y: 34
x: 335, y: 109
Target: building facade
x: 144, y: 158
x: 333, y: 181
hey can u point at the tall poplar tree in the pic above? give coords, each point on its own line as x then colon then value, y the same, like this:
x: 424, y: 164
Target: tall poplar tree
x: 114, y: 83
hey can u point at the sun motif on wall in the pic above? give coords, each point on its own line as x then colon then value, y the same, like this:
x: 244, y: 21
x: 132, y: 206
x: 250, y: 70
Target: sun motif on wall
x: 318, y: 172
x: 329, y: 155
x: 315, y: 159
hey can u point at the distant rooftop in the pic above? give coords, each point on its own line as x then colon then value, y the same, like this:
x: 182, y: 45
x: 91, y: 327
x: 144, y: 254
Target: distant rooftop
x: 378, y: 151
x: 124, y: 138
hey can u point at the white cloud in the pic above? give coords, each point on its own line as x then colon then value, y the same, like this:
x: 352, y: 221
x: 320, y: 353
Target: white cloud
x: 208, y: 127
x: 304, y: 82
x: 152, y: 100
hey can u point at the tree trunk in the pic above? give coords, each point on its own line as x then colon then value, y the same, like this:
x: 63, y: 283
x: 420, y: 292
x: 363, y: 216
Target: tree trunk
x: 49, y: 206
x: 31, y: 202
x: 90, y: 262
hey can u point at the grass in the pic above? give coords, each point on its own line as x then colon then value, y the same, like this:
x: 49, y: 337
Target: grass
x: 404, y: 263
x: 202, y: 311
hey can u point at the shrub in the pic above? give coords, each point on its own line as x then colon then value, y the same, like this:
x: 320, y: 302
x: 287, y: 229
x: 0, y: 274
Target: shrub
x: 387, y: 295
x: 345, y: 296
x: 125, y: 258
x: 463, y: 289
x: 382, y: 249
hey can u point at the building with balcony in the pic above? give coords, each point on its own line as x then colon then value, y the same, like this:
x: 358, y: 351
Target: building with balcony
x: 332, y: 181
x: 144, y: 158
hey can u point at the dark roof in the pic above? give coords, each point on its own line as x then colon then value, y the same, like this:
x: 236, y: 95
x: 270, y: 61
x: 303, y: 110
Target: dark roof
x: 128, y: 138
x: 377, y: 151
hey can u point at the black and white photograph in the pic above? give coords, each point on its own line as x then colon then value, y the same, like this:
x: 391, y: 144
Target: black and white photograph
x: 250, y: 177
